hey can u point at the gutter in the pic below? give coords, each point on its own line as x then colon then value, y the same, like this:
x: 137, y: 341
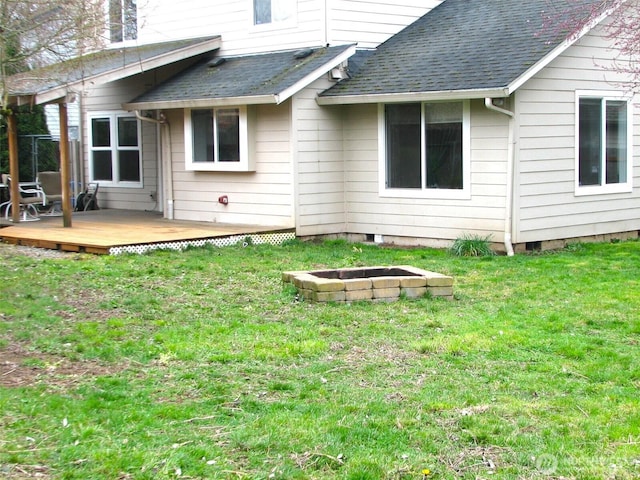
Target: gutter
x: 412, y: 96
x: 488, y: 103
x: 269, y: 99
x: 165, y: 146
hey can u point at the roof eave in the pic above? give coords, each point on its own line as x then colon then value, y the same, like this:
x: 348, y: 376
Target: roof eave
x: 61, y: 91
x: 315, y: 74
x: 275, y: 98
x: 413, y: 96
x: 203, y: 103
x: 473, y: 93
x: 560, y: 49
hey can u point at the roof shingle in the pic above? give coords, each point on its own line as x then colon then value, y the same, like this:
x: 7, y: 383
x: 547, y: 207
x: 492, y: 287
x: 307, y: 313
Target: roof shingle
x: 243, y: 76
x: 464, y: 45
x: 94, y: 64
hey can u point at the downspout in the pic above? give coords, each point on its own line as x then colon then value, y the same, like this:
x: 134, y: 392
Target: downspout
x: 165, y: 152
x: 488, y: 103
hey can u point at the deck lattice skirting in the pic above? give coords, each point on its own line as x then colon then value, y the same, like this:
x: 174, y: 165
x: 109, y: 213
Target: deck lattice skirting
x: 369, y: 284
x: 255, y: 239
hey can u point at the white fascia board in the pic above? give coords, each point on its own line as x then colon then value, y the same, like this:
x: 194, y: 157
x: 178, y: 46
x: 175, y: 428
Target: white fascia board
x: 53, y: 95
x: 560, y: 49
x: 317, y: 73
x: 203, y: 103
x: 413, y: 96
x: 128, y: 71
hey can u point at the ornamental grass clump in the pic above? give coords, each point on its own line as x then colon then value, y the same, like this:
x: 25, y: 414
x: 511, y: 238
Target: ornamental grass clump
x: 472, y: 246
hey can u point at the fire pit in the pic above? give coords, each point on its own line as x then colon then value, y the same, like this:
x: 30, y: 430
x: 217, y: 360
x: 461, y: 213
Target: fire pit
x: 369, y: 283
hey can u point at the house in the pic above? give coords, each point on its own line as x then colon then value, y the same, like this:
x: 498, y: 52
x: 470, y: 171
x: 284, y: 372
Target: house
x: 411, y: 122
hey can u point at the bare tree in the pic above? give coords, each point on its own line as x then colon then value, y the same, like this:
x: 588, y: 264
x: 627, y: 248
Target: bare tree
x: 40, y: 32
x: 570, y: 18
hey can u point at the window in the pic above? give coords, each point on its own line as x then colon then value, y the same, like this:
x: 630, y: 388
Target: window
x: 272, y: 11
x: 217, y: 139
x: 115, y: 150
x: 426, y: 148
x: 123, y: 20
x: 603, y: 148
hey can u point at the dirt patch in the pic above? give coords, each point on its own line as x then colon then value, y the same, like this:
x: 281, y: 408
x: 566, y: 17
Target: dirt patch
x: 7, y: 250
x: 480, y: 460
x: 22, y: 368
x: 21, y: 472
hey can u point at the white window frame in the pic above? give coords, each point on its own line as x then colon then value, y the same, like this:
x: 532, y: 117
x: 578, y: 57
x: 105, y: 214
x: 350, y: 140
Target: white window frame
x: 275, y: 24
x: 245, y: 164
x: 114, y: 148
x: 604, y: 188
x: 428, y: 193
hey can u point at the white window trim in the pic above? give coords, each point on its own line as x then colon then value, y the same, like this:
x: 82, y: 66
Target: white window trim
x: 427, y: 193
x: 291, y: 22
x: 626, y: 187
x: 245, y: 164
x: 113, y: 122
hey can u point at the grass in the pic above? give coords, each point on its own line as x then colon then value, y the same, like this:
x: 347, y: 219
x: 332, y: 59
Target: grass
x: 202, y: 364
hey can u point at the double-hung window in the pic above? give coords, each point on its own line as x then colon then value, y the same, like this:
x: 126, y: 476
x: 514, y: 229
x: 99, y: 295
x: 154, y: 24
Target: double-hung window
x: 426, y: 149
x: 216, y: 139
x: 267, y: 12
x: 123, y: 20
x: 115, y: 149
x: 603, y: 148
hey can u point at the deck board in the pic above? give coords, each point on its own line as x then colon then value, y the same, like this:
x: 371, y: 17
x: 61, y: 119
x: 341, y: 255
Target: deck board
x: 99, y: 231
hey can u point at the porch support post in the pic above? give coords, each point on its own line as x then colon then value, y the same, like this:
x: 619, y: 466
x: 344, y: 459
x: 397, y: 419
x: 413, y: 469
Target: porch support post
x: 12, y: 134
x: 64, y: 166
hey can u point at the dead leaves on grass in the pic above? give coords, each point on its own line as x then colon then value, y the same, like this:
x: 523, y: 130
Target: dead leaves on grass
x: 21, y: 368
x: 316, y: 460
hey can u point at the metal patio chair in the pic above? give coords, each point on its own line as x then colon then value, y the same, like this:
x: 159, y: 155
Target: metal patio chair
x: 51, y: 185
x: 28, y: 200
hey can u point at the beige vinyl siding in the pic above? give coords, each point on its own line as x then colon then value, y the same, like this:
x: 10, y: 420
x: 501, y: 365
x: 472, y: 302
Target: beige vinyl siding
x: 263, y: 197
x: 137, y: 198
x: 110, y: 97
x: 369, y: 213
x: 319, y: 169
x: 369, y: 23
x: 233, y: 20
x: 315, y: 23
x: 545, y: 192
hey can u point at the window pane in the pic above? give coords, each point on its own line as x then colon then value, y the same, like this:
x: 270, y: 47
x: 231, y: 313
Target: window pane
x: 403, y: 146
x: 130, y: 20
x: 202, y: 127
x: 102, y: 166
x: 444, y: 145
x: 261, y: 11
x: 589, y: 141
x: 115, y: 20
x: 616, y: 142
x: 127, y: 132
x: 228, y: 128
x: 129, y: 165
x: 100, y: 132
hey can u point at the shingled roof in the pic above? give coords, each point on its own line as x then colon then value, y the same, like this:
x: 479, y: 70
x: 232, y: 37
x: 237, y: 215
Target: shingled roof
x: 53, y: 81
x: 465, y: 46
x: 252, y: 79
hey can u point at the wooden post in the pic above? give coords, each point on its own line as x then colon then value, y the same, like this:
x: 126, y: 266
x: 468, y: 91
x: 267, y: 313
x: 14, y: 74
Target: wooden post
x: 64, y: 166
x: 12, y: 134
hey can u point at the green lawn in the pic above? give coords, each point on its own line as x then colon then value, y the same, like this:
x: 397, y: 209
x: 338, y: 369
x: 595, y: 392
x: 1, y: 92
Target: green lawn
x: 202, y: 364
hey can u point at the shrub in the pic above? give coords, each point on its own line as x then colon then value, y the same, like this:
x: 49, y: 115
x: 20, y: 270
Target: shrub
x: 472, y: 246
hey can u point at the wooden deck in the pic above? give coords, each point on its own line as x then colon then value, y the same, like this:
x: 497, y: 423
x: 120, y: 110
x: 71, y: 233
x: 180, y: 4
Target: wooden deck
x: 100, y: 231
